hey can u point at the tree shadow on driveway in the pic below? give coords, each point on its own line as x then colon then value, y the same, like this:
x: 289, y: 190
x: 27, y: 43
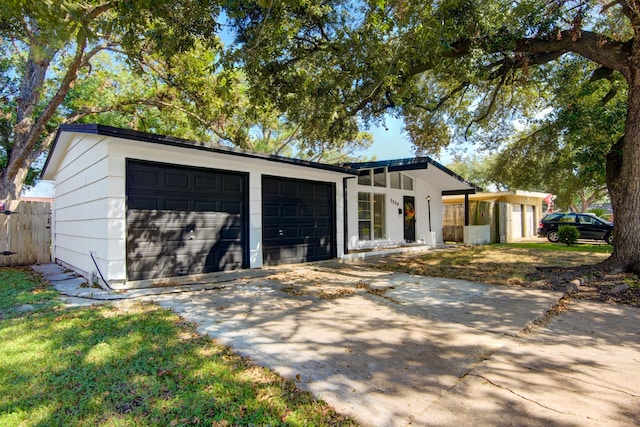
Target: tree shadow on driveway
x: 409, y: 356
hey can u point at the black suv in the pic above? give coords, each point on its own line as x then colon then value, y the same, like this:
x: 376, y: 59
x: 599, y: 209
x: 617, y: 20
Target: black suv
x: 589, y: 226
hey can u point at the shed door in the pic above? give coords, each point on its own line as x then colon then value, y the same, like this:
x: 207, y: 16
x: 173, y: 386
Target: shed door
x: 183, y: 220
x: 516, y: 221
x: 298, y: 220
x: 531, y: 223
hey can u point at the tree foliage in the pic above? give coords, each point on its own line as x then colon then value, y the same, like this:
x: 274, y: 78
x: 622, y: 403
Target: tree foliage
x: 564, y: 152
x: 47, y: 45
x: 152, y: 66
x: 454, y: 70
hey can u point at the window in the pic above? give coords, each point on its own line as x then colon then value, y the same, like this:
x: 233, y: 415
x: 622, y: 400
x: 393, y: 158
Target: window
x: 395, y: 179
x: 407, y: 182
x: 364, y: 216
x: 378, y: 216
x: 379, y: 177
x: 364, y: 178
x: 371, y: 216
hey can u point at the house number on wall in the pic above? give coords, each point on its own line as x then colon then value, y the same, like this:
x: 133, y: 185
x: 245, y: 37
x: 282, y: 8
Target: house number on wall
x: 394, y: 202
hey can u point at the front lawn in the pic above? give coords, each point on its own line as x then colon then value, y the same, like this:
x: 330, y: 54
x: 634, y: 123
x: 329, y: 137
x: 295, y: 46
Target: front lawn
x: 504, y: 264
x: 129, y: 364
x: 542, y: 265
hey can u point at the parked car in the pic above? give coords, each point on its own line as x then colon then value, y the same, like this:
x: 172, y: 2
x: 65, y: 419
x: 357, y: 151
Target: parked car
x: 589, y: 226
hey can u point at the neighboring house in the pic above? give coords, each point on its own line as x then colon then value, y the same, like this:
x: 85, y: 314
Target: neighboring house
x: 136, y: 207
x: 507, y: 216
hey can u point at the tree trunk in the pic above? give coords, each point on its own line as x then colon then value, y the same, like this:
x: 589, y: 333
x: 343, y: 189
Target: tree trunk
x: 26, y: 131
x: 623, y: 181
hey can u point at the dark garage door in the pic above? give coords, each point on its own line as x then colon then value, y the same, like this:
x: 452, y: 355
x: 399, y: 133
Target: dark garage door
x: 297, y: 220
x: 183, y: 220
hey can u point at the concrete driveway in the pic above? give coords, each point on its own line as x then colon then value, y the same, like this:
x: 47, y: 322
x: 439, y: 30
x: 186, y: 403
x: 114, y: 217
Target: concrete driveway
x: 394, y: 349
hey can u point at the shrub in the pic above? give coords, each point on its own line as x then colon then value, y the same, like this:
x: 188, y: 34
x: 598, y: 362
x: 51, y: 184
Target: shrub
x: 598, y: 212
x: 568, y: 234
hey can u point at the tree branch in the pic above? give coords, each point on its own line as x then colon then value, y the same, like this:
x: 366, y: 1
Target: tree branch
x: 489, y: 109
x: 596, y: 47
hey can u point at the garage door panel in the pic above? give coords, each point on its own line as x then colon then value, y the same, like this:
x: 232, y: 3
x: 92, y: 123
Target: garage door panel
x: 270, y: 210
x: 310, y: 231
x: 176, y: 181
x: 204, y: 183
x: 290, y: 211
x: 185, y: 223
x: 296, y: 221
x: 323, y: 211
x: 308, y: 211
x: 230, y: 185
x: 288, y: 189
x: 176, y: 204
x: 231, y: 207
x: 146, y: 178
x: 288, y: 254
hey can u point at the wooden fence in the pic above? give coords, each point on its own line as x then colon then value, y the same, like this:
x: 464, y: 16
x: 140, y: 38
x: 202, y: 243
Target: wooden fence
x: 453, y: 222
x: 480, y: 213
x: 25, y: 233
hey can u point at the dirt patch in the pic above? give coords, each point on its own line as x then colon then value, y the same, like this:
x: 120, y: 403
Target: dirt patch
x: 591, y: 284
x: 308, y: 281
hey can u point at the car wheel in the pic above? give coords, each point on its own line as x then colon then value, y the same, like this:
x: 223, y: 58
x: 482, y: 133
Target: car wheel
x: 552, y: 236
x: 609, y: 238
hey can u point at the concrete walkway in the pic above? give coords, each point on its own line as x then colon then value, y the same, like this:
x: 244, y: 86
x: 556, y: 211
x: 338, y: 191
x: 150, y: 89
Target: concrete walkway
x: 394, y: 349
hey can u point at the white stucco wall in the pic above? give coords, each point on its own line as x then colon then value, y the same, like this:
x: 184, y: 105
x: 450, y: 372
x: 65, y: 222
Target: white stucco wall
x: 90, y: 206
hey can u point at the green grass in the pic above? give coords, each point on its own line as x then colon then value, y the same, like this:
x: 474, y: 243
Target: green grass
x: 20, y: 287
x: 548, y: 246
x: 134, y: 364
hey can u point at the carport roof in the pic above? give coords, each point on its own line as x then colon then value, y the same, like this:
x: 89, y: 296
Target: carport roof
x: 451, y: 182
x: 128, y: 134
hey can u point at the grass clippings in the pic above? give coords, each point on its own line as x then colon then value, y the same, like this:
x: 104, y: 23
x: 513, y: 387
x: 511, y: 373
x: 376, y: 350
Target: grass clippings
x: 335, y: 293
x: 130, y: 364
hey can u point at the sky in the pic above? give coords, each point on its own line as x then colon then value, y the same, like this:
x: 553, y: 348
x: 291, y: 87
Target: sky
x: 389, y: 143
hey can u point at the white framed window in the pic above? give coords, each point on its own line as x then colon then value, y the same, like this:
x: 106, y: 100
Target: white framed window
x: 395, y: 180
x: 407, y: 182
x: 379, y: 177
x: 371, y: 216
x: 364, y: 177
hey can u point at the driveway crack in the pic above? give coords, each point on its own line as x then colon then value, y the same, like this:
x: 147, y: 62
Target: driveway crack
x: 521, y: 396
x: 599, y: 385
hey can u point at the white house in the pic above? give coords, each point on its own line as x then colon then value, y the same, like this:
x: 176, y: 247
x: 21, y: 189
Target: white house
x: 134, y: 207
x: 396, y: 202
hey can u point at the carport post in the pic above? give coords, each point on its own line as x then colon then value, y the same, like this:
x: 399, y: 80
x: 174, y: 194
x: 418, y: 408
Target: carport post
x: 466, y: 209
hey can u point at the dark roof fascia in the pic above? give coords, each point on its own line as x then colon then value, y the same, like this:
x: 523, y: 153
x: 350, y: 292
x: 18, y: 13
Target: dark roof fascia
x: 397, y: 164
x: 458, y: 192
x: 185, y: 143
x: 413, y: 163
x: 400, y: 168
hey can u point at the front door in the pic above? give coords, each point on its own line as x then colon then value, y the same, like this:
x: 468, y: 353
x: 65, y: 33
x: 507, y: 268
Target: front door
x: 409, y: 219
